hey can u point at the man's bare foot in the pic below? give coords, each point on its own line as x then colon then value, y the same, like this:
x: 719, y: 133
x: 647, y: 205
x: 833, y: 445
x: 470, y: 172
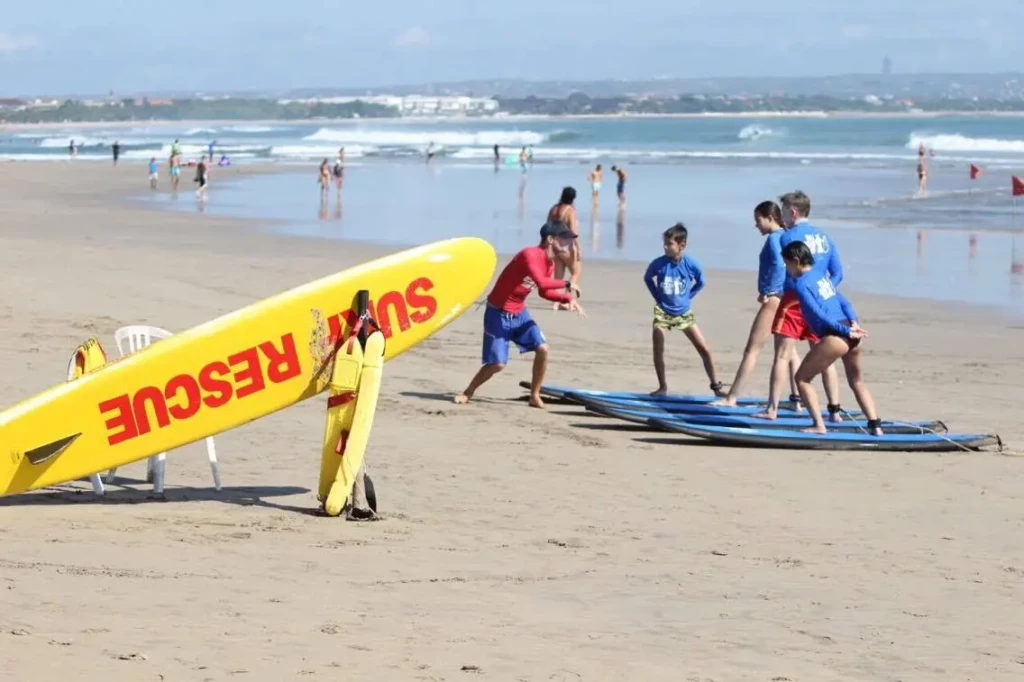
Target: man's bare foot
x: 767, y: 414
x: 663, y: 390
x: 815, y: 429
x: 535, y: 401
x: 462, y: 399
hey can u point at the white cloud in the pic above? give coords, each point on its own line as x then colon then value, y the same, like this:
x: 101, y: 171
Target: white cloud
x: 412, y: 37
x: 854, y: 30
x: 12, y: 43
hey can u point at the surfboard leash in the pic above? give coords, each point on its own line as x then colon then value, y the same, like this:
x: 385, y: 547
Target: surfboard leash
x: 999, y: 441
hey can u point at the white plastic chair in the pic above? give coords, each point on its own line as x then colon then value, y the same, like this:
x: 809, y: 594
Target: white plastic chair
x: 97, y: 484
x: 130, y: 339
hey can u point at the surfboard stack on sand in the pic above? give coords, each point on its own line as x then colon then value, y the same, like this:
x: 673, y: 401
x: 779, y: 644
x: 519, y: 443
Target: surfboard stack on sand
x: 693, y: 415
x: 249, y: 363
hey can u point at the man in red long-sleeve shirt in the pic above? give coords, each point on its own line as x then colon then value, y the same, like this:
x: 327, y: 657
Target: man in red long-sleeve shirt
x: 506, y: 318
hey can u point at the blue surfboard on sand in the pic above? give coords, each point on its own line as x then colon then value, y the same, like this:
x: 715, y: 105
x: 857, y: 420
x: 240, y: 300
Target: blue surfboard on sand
x: 696, y: 408
x: 565, y: 393
x: 798, y: 440
x: 645, y: 415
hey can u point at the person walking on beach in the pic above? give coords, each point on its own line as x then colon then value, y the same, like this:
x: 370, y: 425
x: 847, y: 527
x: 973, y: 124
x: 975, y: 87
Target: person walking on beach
x: 771, y: 278
x: 922, y: 170
x: 833, y: 320
x: 565, y: 211
x: 674, y: 279
x: 175, y: 172
x: 789, y: 325
x: 202, y: 177
x: 324, y: 177
x: 595, y: 184
x: 506, y: 318
x: 339, y: 173
x: 620, y: 187
x: 153, y: 172
x: 116, y: 149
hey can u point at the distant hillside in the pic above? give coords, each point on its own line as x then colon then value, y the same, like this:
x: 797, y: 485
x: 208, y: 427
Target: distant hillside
x: 930, y: 85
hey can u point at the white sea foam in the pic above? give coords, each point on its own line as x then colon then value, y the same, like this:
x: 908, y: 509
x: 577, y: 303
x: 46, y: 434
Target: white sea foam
x: 251, y: 130
x: 953, y: 142
x: 421, y: 138
x: 310, y: 151
x: 755, y: 131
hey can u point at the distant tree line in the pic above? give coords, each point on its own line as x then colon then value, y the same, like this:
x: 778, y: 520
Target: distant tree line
x: 580, y: 104
x: 198, y: 110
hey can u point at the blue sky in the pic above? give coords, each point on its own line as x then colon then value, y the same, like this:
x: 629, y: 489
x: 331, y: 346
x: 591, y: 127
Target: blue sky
x: 74, y: 46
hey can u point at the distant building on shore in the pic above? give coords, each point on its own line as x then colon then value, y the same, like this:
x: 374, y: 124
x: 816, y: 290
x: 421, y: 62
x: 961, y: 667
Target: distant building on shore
x: 414, y: 105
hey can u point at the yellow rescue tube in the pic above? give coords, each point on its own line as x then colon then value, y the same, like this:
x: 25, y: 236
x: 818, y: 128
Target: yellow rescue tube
x: 354, y: 449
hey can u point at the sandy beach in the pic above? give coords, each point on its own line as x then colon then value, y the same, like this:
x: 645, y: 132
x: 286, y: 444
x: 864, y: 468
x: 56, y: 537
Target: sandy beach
x: 516, y: 544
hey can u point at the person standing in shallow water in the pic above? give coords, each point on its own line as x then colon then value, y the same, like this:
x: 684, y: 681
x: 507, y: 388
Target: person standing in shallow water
x: 595, y: 184
x: 565, y: 211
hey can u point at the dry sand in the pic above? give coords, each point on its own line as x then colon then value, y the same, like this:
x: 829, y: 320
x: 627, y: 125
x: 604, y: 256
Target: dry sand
x: 517, y: 544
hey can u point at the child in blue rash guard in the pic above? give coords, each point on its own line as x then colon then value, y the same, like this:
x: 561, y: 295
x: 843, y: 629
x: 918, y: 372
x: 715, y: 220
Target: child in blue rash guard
x: 673, y: 280
x: 833, y: 320
x: 789, y: 326
x: 771, y: 275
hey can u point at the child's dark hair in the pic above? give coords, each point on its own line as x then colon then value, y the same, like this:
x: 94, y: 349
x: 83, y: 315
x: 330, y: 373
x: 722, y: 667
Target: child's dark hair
x: 676, y: 233
x: 799, y: 252
x: 770, y: 210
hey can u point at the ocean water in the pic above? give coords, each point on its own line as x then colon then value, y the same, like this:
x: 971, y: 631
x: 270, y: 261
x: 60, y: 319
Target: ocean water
x: 958, y: 242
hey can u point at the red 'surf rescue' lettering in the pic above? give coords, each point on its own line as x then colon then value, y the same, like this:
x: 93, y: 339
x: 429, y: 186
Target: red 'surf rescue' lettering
x: 394, y: 308
x: 250, y: 370
x: 245, y: 373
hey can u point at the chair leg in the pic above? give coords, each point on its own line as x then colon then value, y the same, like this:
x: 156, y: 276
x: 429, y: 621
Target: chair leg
x: 158, y: 474
x: 112, y: 476
x: 149, y: 470
x: 211, y: 449
x: 97, y: 485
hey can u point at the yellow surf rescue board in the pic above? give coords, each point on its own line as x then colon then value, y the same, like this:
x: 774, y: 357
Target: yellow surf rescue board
x: 229, y: 371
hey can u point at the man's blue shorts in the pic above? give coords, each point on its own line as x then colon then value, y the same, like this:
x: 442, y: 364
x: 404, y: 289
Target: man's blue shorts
x: 500, y: 328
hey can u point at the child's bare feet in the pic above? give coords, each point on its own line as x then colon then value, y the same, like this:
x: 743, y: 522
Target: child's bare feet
x: 662, y: 390
x: 535, y: 401
x: 767, y: 414
x: 815, y: 429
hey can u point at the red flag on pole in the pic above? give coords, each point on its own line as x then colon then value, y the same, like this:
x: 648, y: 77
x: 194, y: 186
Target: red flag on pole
x: 975, y: 171
x: 1018, y: 186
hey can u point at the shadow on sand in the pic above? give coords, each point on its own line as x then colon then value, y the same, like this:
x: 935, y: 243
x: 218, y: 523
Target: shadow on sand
x: 242, y: 496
